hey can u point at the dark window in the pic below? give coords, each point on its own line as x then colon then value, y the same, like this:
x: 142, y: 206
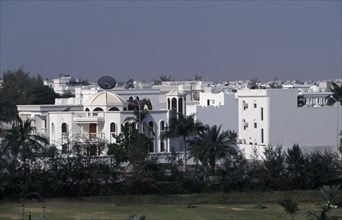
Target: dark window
x: 255, y: 125
x: 64, y: 128
x: 262, y: 135
x: 174, y: 104
x: 244, y: 105
x: 87, y: 109
x: 150, y: 129
x: 208, y: 101
x: 162, y: 125
x: 112, y: 127
x: 262, y: 114
x: 98, y: 109
x: 245, y: 124
x: 151, y: 148
x: 174, y: 107
x: 162, y: 146
x: 112, y: 109
x: 180, y: 105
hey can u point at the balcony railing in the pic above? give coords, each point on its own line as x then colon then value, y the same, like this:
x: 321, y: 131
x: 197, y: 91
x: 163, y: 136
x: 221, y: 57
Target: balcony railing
x: 89, y: 117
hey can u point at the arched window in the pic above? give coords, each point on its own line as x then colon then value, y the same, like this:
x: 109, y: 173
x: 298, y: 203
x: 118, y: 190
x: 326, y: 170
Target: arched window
x: 112, y: 109
x: 64, y: 128
x: 180, y: 105
x: 52, y: 127
x: 87, y: 109
x: 174, y: 107
x: 174, y: 104
x: 112, y: 128
x: 98, y: 109
x: 162, y: 125
x: 150, y: 129
x: 168, y: 103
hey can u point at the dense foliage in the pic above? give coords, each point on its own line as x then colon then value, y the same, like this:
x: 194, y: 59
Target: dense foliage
x: 19, y: 88
x: 27, y: 165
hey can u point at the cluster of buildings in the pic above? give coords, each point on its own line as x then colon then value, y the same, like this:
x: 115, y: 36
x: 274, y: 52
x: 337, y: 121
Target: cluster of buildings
x: 293, y: 114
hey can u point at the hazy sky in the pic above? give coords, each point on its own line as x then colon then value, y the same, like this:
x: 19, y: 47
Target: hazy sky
x: 219, y: 40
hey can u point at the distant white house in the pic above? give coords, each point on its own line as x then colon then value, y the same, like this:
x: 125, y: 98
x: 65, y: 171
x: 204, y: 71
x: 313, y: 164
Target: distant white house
x: 261, y: 117
x: 63, y: 84
x: 95, y: 115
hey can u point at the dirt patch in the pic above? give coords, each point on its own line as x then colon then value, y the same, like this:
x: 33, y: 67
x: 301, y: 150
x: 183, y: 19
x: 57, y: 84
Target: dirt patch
x: 237, y: 209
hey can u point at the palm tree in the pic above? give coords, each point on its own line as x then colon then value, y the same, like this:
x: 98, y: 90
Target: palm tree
x: 336, y: 96
x: 330, y: 193
x: 212, y: 144
x: 183, y: 126
x: 290, y: 206
x: 139, y: 118
x: 22, y: 140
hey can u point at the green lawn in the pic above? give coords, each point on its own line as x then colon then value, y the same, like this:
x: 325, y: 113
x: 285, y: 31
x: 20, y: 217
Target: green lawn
x: 89, y: 210
x: 227, y: 206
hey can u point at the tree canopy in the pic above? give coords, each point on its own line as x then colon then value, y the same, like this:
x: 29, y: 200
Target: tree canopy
x: 183, y: 126
x: 336, y: 96
x: 212, y: 144
x: 19, y: 88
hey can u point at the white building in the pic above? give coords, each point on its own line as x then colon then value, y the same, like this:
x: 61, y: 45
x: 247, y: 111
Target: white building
x: 95, y: 115
x: 63, y: 84
x: 260, y: 117
x: 278, y: 117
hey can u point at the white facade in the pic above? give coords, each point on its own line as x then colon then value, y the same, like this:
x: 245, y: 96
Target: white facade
x: 99, y: 118
x: 260, y: 117
x: 64, y: 83
x: 272, y: 117
x: 219, y: 109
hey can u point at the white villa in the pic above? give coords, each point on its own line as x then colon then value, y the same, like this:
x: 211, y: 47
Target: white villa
x: 286, y: 117
x: 260, y: 117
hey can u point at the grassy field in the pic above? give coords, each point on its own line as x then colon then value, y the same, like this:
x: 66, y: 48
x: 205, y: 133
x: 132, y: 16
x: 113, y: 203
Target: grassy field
x: 227, y: 206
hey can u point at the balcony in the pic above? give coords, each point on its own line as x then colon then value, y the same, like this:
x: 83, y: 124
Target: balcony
x: 89, y: 117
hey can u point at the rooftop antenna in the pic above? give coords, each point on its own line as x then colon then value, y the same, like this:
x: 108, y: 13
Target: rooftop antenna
x: 106, y: 82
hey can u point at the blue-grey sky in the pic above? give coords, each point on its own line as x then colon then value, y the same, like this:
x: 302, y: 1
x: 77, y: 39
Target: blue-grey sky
x: 219, y: 40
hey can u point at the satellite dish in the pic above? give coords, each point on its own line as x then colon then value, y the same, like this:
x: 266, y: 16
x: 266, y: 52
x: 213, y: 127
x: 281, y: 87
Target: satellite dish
x: 195, y: 96
x: 129, y: 84
x: 301, y: 101
x: 106, y: 82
